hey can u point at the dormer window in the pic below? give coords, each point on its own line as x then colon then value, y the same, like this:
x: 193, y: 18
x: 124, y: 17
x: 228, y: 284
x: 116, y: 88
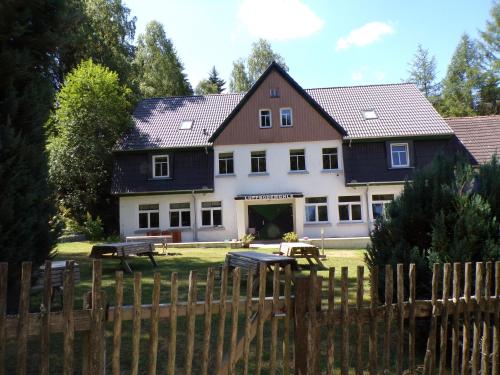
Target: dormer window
x: 286, y: 117
x: 186, y: 125
x: 370, y: 114
x: 161, y: 166
x: 399, y: 155
x: 265, y: 118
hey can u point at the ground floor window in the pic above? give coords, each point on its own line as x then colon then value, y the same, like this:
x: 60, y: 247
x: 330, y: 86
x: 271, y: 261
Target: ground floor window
x: 350, y: 208
x: 316, y: 209
x: 149, y: 216
x: 180, y: 215
x: 211, y: 214
x: 379, y: 201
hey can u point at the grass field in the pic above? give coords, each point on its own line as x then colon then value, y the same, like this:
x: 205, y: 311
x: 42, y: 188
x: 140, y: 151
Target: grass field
x: 184, y: 261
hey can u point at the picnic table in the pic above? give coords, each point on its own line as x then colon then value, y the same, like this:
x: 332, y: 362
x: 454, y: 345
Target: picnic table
x: 301, y: 250
x: 124, y: 251
x: 251, y: 260
x: 158, y: 239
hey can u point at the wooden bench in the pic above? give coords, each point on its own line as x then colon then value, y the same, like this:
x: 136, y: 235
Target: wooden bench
x: 302, y: 250
x: 56, y: 277
x: 124, y: 251
x: 162, y: 240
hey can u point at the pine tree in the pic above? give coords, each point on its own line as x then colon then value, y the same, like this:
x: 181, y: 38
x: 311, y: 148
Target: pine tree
x: 239, y: 81
x: 158, y: 69
x: 490, y: 48
x: 31, y: 36
x: 463, y: 80
x: 216, y: 80
x: 422, y: 72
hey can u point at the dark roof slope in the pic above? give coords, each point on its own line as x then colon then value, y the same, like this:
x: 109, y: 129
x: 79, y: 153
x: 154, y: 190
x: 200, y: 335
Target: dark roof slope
x: 480, y: 135
x: 401, y: 109
x: 157, y: 121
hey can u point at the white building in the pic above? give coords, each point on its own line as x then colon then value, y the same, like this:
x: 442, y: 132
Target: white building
x: 276, y: 159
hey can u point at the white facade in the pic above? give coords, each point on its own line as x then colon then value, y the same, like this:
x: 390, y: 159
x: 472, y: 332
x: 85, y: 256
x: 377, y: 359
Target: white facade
x: 278, y: 180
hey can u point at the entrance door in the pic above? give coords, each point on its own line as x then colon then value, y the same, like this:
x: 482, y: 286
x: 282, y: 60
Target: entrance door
x: 271, y: 221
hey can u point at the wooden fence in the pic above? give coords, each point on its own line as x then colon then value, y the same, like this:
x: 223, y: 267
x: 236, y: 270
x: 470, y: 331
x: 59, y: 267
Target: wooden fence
x: 301, y: 325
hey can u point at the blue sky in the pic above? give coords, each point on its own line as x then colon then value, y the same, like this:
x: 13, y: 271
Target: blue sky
x: 324, y: 42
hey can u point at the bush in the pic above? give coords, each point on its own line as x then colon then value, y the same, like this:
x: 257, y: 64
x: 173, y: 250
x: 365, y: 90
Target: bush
x: 290, y: 237
x: 93, y: 229
x: 439, y: 217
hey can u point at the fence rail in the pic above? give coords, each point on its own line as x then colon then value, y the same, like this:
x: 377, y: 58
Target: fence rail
x: 302, y: 325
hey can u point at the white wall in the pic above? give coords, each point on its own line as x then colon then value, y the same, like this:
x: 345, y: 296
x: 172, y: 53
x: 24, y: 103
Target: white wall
x: 314, y: 183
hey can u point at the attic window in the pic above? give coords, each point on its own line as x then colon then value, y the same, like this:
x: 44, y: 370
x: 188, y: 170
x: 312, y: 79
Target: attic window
x: 186, y: 125
x: 274, y: 93
x: 370, y: 114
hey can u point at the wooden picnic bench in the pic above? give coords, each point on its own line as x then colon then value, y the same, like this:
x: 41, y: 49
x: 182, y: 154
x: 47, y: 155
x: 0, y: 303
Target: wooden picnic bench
x: 124, y: 251
x: 163, y: 239
x: 56, y: 276
x: 251, y: 261
x: 302, y: 250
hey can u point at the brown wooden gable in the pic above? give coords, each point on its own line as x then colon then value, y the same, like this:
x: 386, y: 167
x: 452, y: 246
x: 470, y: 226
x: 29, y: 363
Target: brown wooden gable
x: 308, y: 123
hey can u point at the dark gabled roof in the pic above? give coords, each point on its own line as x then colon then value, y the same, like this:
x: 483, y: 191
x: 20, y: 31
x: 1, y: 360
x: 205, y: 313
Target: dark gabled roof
x: 276, y: 67
x: 480, y: 135
x: 401, y: 109
x: 157, y: 121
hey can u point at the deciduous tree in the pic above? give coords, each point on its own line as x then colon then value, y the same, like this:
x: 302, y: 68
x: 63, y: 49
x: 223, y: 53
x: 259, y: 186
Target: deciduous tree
x: 239, y: 81
x: 158, y: 69
x: 92, y: 114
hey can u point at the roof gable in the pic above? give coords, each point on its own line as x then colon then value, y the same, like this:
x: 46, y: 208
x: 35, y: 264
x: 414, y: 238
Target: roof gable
x: 274, y: 68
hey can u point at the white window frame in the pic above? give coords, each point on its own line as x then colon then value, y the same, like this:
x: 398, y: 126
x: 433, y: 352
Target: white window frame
x: 211, y: 209
x: 316, y: 205
x: 329, y: 155
x: 297, y: 156
x: 270, y: 118
x: 260, y: 157
x: 382, y: 202
x: 350, y: 204
x: 148, y: 213
x: 219, y: 160
x: 281, y: 117
x: 154, y: 165
x: 180, y: 211
x: 407, y: 148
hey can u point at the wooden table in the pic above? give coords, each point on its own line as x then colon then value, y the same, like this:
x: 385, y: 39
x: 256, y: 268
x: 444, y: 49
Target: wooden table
x: 161, y: 239
x: 251, y: 260
x: 124, y: 251
x: 302, y: 250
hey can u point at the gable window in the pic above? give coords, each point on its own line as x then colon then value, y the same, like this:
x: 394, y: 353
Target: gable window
x: 211, y: 214
x: 161, y: 166
x: 186, y: 125
x: 226, y: 163
x: 330, y: 158
x: 149, y: 216
x: 350, y: 208
x: 379, y: 201
x: 258, y: 161
x: 180, y: 215
x: 274, y: 93
x: 297, y: 160
x: 265, y: 118
x: 399, y: 155
x: 316, y: 209
x: 286, y: 116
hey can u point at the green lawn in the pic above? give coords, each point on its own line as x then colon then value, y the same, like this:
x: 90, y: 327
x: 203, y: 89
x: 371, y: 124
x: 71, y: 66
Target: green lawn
x: 184, y: 261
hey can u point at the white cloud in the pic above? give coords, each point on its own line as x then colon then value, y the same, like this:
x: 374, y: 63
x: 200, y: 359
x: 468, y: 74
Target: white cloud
x: 278, y: 19
x: 364, y: 35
